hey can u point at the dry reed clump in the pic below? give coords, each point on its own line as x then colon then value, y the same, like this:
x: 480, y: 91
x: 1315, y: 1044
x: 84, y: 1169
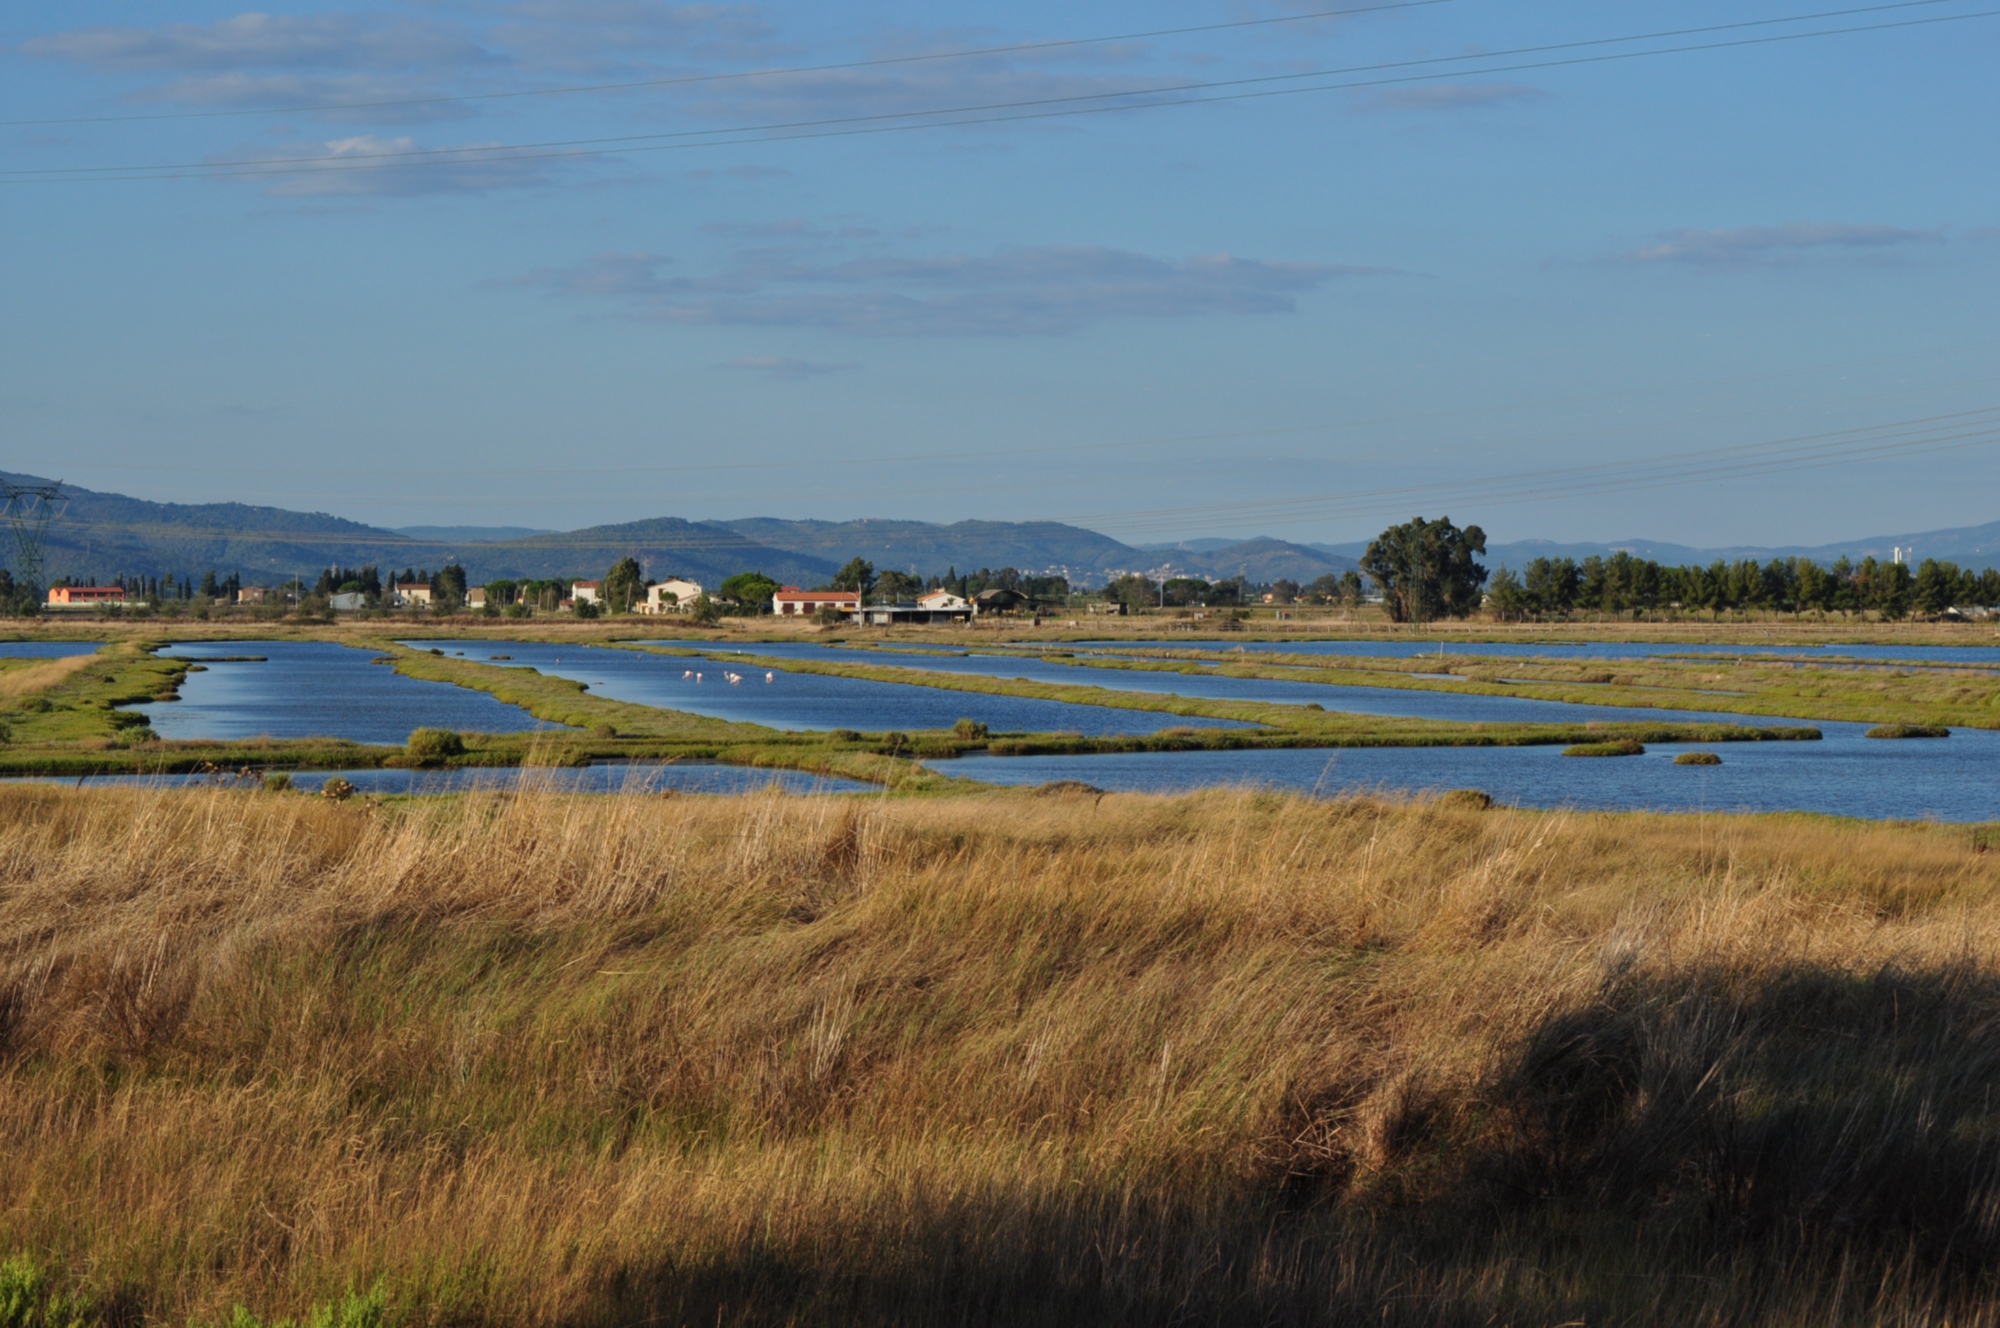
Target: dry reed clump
x: 573, y: 1060
x: 44, y: 674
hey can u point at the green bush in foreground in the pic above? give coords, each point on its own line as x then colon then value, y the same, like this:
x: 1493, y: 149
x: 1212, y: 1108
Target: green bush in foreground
x: 1616, y: 747
x: 432, y: 746
x: 1697, y: 758
x: 28, y: 1301
x: 1908, y: 731
x: 30, y: 1298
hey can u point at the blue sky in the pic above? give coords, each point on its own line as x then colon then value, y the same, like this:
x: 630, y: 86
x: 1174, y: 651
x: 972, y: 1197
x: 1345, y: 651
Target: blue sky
x: 303, y: 256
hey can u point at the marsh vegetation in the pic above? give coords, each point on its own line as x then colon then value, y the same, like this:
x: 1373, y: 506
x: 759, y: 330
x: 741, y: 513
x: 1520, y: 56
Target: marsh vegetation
x: 1044, y: 1058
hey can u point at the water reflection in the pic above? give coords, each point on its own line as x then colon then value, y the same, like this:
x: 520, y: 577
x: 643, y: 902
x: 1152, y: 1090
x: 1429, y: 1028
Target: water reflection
x: 1953, y: 779
x: 318, y: 689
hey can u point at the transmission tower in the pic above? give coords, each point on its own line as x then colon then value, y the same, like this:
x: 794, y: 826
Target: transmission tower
x: 30, y: 508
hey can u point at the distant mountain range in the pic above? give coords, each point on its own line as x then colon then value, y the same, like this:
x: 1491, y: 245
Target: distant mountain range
x: 1975, y: 547
x: 102, y: 535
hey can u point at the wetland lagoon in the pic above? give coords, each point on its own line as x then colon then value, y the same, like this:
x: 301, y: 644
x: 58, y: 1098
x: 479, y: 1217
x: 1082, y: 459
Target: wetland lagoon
x: 1319, y: 717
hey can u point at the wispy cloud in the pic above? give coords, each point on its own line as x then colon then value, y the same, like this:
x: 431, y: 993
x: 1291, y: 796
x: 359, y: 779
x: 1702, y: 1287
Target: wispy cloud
x: 1018, y: 291
x: 366, y: 166
x: 1771, y: 246
x: 263, y: 41
x: 784, y: 368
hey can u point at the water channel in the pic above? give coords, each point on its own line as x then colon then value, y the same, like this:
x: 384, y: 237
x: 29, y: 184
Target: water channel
x: 1952, y: 779
x: 300, y: 689
x: 1472, y: 708
x: 788, y: 700
x: 605, y: 777
x: 317, y: 689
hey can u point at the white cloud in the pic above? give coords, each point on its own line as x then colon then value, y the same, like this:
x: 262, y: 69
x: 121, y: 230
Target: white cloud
x: 1768, y: 246
x: 785, y: 368
x: 1018, y: 291
x: 364, y: 165
x: 264, y: 41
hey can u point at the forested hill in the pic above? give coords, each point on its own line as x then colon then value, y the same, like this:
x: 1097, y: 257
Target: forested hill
x: 926, y: 548
x: 665, y: 546
x: 102, y: 535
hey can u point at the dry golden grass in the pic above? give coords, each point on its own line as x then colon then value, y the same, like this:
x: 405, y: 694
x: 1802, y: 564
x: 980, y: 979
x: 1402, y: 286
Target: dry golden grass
x: 1011, y: 1058
x: 43, y: 674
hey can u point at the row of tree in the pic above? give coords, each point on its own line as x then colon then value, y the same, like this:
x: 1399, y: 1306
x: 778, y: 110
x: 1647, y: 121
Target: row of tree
x: 1622, y: 584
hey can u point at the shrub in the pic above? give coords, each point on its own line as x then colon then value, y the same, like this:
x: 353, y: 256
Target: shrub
x: 603, y: 730
x: 1616, y: 747
x: 279, y: 783
x: 1697, y: 758
x: 28, y: 1301
x: 829, y: 616
x: 431, y: 746
x: 1477, y: 800
x: 969, y: 729
x: 1908, y: 731
x: 844, y: 735
x: 337, y: 789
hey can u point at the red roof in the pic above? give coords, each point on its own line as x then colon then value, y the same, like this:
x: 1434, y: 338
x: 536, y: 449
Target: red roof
x: 793, y: 592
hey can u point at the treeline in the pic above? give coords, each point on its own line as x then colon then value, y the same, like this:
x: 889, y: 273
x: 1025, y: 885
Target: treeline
x: 1622, y: 584
x: 1137, y: 592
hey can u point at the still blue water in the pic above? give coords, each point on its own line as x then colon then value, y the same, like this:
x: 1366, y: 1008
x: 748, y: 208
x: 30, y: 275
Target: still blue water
x: 608, y: 778
x: 316, y: 689
x: 47, y: 649
x: 1950, y: 779
x: 1410, y: 649
x: 1472, y: 709
x: 804, y: 700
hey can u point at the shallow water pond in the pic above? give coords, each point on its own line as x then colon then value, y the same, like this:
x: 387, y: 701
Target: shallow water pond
x: 1474, y: 708
x: 787, y: 700
x: 1845, y: 774
x: 317, y: 689
x: 637, y: 777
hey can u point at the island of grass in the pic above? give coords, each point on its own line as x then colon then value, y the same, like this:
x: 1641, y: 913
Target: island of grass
x: 66, y: 717
x: 1613, y: 747
x: 1908, y: 731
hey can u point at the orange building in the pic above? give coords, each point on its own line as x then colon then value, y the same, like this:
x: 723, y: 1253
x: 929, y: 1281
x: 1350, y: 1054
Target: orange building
x: 78, y: 595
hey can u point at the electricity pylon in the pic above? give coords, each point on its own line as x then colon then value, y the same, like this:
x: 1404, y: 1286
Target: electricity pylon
x: 30, y: 508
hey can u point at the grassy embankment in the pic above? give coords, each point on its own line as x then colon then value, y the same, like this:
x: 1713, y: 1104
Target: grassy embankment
x: 1006, y: 1059
x: 61, y: 718
x: 1860, y: 692
x: 1261, y: 625
x: 1285, y: 725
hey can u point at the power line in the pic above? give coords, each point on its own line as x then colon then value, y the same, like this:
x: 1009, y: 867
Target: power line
x: 1026, y: 110
x: 1916, y: 436
x: 1017, y: 48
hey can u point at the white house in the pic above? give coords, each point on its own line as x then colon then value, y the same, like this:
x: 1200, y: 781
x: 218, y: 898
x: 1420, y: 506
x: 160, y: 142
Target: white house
x: 585, y: 592
x: 350, y: 601
x: 792, y: 602
x: 405, y: 593
x: 475, y: 598
x: 670, y: 596
x: 943, y: 601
